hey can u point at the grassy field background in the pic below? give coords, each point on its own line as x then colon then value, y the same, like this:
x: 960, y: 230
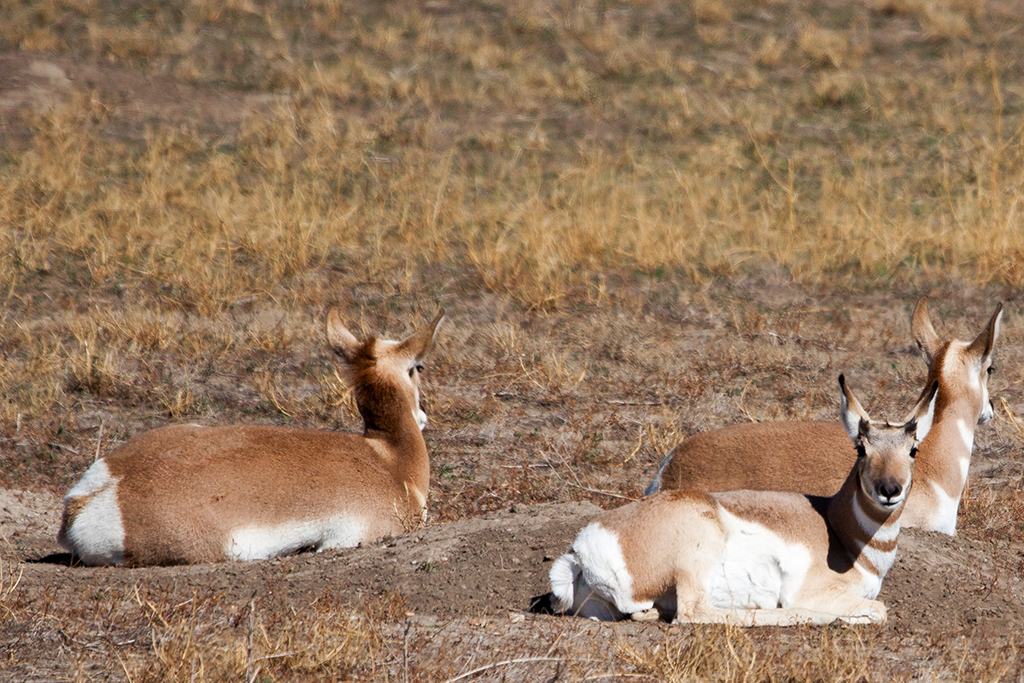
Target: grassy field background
x: 236, y: 153
x: 536, y: 145
x: 644, y: 218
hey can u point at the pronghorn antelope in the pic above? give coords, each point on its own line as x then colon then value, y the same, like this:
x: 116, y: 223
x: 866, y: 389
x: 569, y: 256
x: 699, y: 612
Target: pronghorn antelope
x: 754, y: 558
x: 802, y: 456
x: 187, y: 493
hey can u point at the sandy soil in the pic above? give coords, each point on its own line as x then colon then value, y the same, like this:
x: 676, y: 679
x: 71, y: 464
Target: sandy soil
x: 474, y: 578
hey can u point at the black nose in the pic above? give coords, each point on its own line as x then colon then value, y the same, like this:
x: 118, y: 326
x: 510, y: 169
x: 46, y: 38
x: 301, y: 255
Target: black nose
x: 889, y: 489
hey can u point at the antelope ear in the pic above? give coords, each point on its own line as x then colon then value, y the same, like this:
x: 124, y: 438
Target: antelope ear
x: 342, y: 341
x: 422, y: 342
x: 982, y: 346
x: 923, y: 332
x: 922, y: 416
x: 855, y: 418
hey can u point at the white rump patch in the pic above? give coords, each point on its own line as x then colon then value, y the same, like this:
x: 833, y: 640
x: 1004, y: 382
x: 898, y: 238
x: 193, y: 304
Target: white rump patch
x: 96, y: 478
x: 260, y: 543
x: 563, y: 576
x: 757, y: 569
x: 96, y: 535
x: 604, y: 571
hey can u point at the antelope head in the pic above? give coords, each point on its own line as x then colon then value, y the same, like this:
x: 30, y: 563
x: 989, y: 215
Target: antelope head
x: 962, y: 368
x: 386, y: 372
x: 886, y: 451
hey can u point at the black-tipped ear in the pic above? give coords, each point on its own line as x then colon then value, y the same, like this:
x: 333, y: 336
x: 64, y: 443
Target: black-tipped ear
x: 862, y: 433
x: 853, y: 416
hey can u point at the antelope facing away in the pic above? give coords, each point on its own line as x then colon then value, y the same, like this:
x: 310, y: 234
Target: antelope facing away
x: 186, y: 493
x: 814, y: 457
x: 754, y: 558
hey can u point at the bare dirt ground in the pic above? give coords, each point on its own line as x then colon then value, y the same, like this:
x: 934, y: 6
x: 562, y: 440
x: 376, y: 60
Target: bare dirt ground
x: 537, y: 418
x: 493, y: 564
x: 467, y: 583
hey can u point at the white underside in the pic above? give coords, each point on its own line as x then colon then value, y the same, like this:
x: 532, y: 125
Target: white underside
x: 757, y: 569
x: 259, y: 543
x: 96, y: 535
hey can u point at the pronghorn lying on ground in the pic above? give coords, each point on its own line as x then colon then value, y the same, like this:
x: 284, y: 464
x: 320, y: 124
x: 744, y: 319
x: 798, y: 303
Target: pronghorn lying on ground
x: 754, y: 557
x: 188, y: 493
x: 802, y: 456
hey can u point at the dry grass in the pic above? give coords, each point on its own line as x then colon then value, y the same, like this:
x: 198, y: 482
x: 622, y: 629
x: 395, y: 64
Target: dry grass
x: 10, y: 577
x: 143, y: 635
x: 441, y: 141
x: 996, y: 513
x: 832, y: 654
x: 731, y: 654
x: 323, y: 638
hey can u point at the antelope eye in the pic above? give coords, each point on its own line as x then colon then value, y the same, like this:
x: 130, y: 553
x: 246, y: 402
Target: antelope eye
x: 991, y: 369
x: 913, y: 452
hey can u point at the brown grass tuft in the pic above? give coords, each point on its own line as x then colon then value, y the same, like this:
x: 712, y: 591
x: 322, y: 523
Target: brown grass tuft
x: 733, y: 654
x: 824, y: 47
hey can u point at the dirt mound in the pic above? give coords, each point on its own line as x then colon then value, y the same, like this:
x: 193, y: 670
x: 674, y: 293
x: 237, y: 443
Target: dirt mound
x: 939, y: 583
x: 494, y: 564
